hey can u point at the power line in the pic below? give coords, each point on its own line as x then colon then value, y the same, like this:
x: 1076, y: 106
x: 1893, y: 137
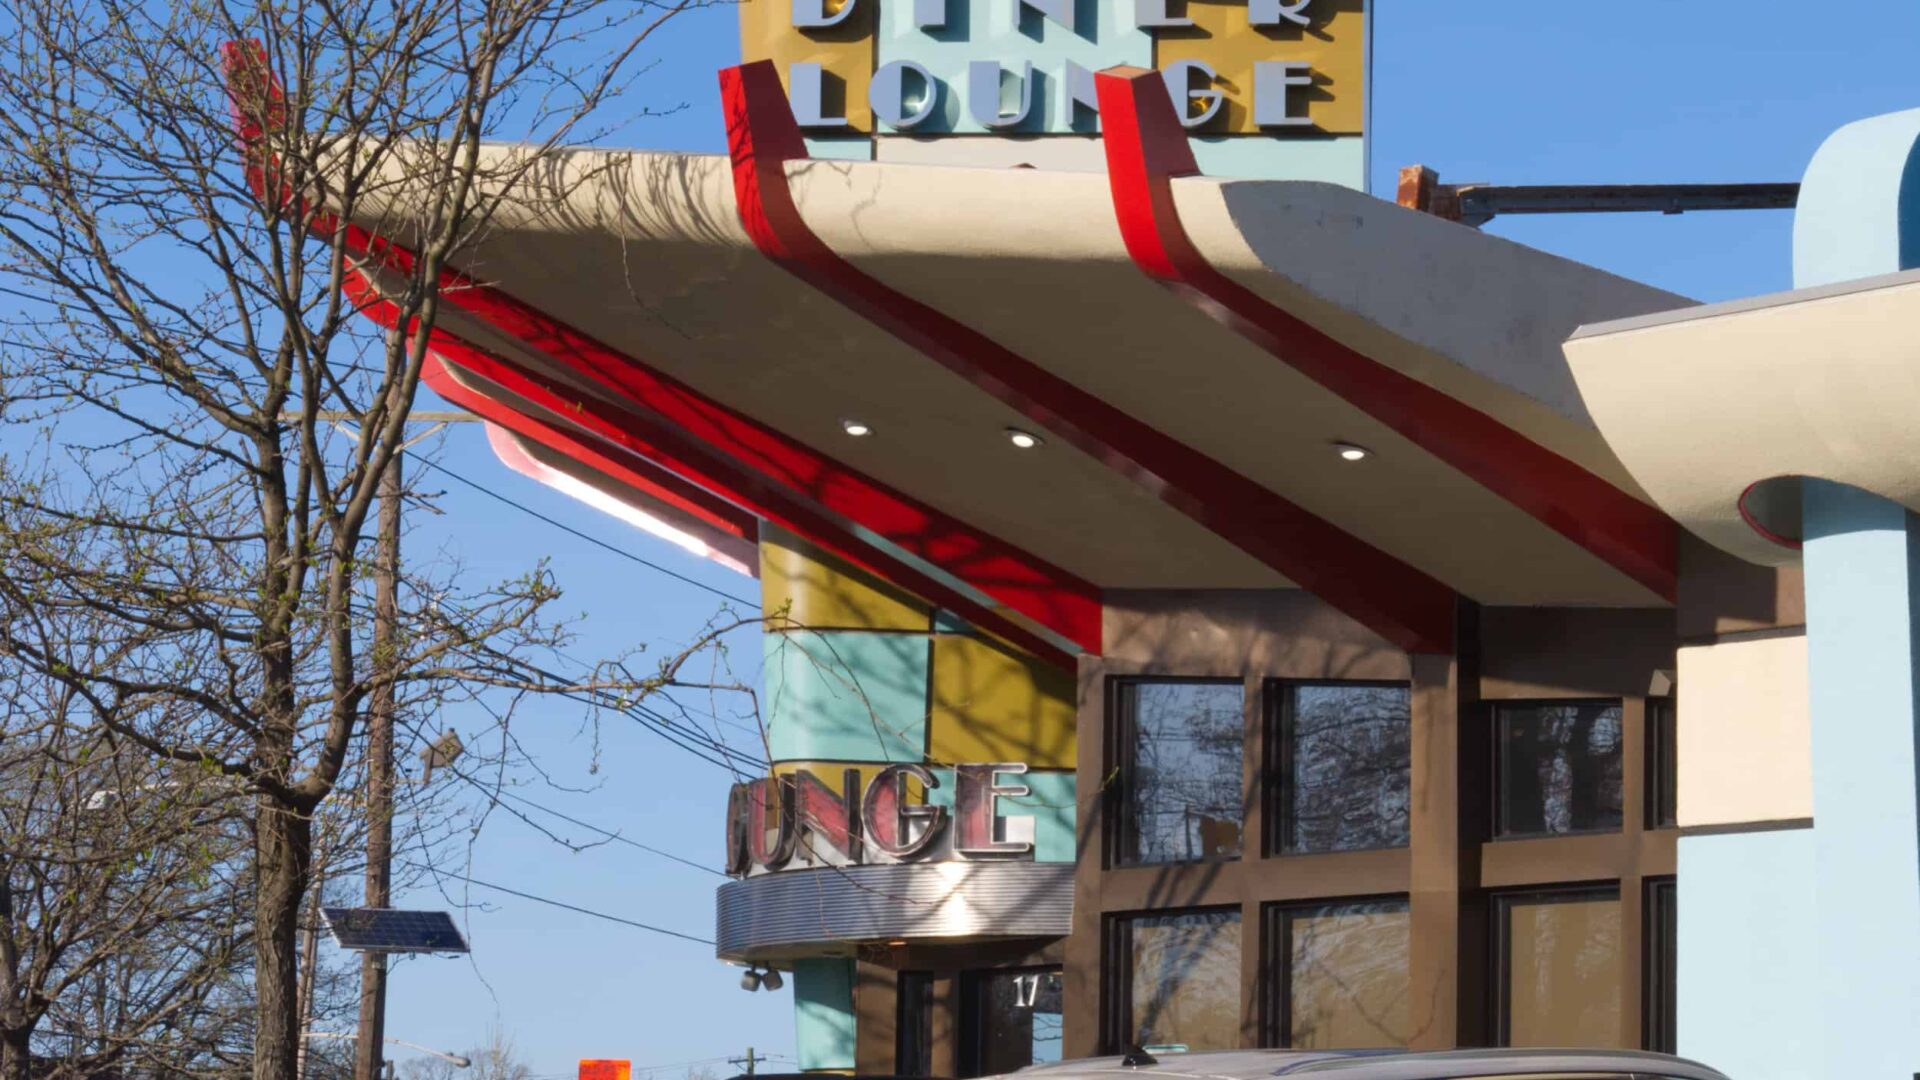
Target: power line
x: 560, y: 904
x: 609, y: 834
x: 594, y: 540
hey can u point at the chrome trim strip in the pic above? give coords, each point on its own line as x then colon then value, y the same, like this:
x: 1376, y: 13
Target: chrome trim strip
x: 909, y: 901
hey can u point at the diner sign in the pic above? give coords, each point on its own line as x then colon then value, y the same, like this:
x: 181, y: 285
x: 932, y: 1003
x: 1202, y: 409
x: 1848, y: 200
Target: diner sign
x: 1286, y: 69
x: 798, y: 817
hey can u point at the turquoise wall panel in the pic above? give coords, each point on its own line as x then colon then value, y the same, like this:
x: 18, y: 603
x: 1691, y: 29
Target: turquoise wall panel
x: 1103, y: 35
x: 1050, y: 804
x: 846, y: 696
x: 1748, y: 968
x: 823, y: 1016
x: 840, y: 148
x: 1341, y: 160
x: 1862, y: 566
x: 1052, y: 807
x: 1859, y: 209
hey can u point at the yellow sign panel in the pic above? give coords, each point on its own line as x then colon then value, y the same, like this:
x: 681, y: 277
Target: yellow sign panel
x: 1283, y: 70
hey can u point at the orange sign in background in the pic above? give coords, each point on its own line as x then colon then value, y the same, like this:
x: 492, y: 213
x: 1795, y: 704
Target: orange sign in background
x: 606, y: 1069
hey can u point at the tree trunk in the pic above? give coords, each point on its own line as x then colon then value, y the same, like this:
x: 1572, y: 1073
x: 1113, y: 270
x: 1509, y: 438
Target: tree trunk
x: 283, y: 852
x: 16, y: 1052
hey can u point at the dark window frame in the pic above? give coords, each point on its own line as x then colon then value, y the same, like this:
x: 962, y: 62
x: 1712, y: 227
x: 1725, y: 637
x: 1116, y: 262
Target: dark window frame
x: 1500, y: 937
x: 1116, y: 968
x: 969, y: 1048
x: 1497, y: 818
x: 1659, y: 964
x: 1662, y: 751
x: 1276, y: 958
x: 1122, y: 834
x: 903, y: 1023
x: 1277, y: 715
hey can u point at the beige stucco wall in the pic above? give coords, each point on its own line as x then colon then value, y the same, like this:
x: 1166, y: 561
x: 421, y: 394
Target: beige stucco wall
x: 1744, y: 743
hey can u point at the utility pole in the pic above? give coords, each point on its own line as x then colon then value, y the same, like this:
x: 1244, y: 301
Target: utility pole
x: 747, y: 1062
x: 368, y: 1058
x: 367, y: 1049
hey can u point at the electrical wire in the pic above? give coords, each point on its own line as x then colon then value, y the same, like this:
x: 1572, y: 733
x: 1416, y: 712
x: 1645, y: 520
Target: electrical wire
x: 557, y: 903
x: 609, y: 834
x: 594, y: 540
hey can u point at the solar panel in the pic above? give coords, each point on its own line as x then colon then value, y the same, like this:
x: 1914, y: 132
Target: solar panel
x: 389, y: 931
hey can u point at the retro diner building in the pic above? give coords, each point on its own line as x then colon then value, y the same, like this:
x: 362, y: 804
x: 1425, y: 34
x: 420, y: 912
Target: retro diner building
x: 1233, y: 612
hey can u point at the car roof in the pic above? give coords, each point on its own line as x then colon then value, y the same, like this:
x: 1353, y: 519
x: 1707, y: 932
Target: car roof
x: 1380, y: 1065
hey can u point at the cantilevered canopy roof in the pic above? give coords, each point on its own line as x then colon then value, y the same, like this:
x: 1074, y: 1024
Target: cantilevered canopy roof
x: 1816, y: 382
x: 636, y: 301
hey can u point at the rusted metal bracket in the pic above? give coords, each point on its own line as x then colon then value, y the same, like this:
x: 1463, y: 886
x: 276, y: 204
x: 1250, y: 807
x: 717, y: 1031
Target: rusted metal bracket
x: 1476, y: 204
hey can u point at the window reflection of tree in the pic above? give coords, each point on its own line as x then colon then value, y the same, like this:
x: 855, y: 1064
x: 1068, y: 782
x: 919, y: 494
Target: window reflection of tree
x: 1561, y: 768
x: 1349, y: 754
x: 1348, y: 966
x: 1186, y: 979
x: 1186, y: 784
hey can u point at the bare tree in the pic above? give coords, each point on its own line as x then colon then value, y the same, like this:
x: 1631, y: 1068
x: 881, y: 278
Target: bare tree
x: 184, y: 538
x: 123, y: 896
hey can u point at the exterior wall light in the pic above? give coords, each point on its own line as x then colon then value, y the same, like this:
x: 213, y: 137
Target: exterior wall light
x: 1025, y: 440
x: 771, y: 980
x: 856, y: 428
x: 750, y: 981
x: 1352, y: 451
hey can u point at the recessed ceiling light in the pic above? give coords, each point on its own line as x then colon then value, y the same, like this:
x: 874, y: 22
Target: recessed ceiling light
x: 1352, y: 451
x: 856, y: 428
x: 1025, y: 440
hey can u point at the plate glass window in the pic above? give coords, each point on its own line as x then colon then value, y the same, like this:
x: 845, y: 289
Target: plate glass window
x: 1560, y: 968
x: 1181, y: 744
x: 1340, y: 974
x: 1341, y: 755
x: 1661, y: 968
x: 913, y: 1028
x: 1010, y: 1020
x: 1663, y: 773
x: 1559, y: 768
x: 1179, y: 980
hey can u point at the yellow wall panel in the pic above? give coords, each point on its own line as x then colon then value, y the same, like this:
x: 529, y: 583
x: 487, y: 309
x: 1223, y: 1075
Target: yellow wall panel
x: 845, y: 51
x: 819, y: 592
x: 831, y: 773
x: 1335, y: 45
x: 990, y: 704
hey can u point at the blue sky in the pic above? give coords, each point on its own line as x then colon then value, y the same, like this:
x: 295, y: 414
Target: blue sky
x: 1510, y: 91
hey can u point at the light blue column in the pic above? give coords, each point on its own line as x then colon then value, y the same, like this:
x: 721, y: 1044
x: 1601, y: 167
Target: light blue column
x: 1862, y: 563
x: 1746, y: 957
x: 1859, y: 209
x: 823, y: 1016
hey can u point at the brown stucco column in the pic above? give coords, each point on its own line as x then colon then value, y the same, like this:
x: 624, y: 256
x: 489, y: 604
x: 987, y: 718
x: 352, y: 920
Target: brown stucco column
x: 1080, y: 978
x: 876, y: 1010
x: 1449, y: 810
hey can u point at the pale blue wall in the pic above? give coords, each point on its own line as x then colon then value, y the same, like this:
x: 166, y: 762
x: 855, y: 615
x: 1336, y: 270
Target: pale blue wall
x: 1862, y: 565
x: 1859, y: 212
x: 823, y: 1016
x: 1746, y: 959
x: 1339, y: 159
x: 845, y: 696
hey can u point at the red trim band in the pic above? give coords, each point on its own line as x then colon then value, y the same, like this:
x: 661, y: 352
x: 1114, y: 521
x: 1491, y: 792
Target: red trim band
x: 1396, y: 600
x: 1146, y: 148
x: 760, y: 458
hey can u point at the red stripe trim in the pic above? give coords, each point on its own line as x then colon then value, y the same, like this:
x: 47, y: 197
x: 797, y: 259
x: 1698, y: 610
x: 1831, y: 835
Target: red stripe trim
x: 1396, y: 600
x: 1050, y: 596
x: 1147, y: 148
x: 689, y: 457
